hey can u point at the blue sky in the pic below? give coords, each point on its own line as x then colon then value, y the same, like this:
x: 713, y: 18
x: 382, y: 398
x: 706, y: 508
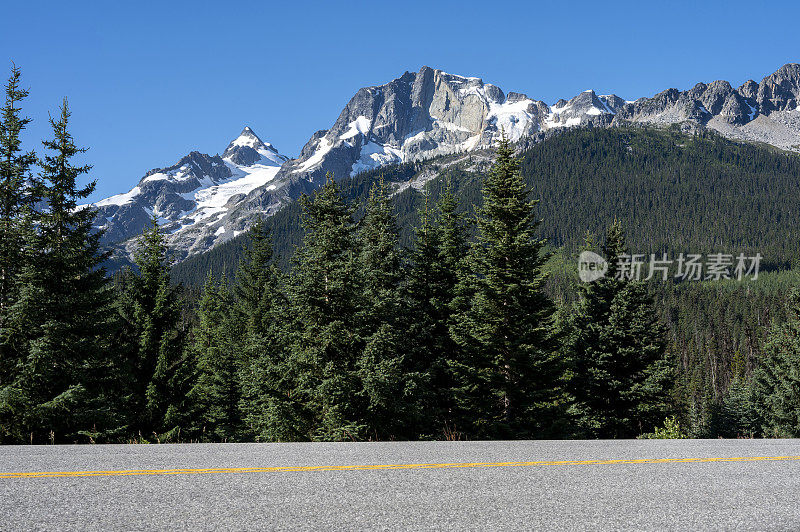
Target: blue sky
x: 149, y: 82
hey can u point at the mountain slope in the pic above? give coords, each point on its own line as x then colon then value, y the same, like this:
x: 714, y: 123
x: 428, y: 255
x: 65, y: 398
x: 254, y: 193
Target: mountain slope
x: 664, y: 185
x: 203, y: 200
x: 412, y: 118
x: 191, y: 197
x: 764, y: 112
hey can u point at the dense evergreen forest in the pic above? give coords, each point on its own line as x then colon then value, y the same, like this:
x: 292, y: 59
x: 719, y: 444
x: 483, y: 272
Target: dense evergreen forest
x: 454, y: 312
x: 675, y: 192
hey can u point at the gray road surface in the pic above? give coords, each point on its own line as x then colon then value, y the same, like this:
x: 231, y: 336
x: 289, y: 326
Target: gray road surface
x: 741, y: 495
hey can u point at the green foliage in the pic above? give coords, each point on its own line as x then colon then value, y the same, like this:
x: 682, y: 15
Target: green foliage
x: 325, y: 292
x: 397, y: 318
x: 260, y: 303
x: 737, y: 414
x: 214, y: 409
x: 17, y: 197
x: 670, y: 431
x: 380, y: 317
x: 155, y: 370
x: 664, y: 186
x: 617, y: 349
x: 437, y: 261
x: 58, y: 324
x: 507, y: 378
x: 778, y: 376
x: 661, y: 184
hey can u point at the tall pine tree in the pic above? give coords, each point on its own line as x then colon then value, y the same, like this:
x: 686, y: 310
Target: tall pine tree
x: 437, y: 262
x: 261, y: 306
x: 380, y: 365
x: 215, y: 395
x: 325, y: 293
x: 62, y: 313
x: 17, y: 196
x: 621, y: 376
x: 777, y: 378
x: 508, y: 377
x: 156, y: 367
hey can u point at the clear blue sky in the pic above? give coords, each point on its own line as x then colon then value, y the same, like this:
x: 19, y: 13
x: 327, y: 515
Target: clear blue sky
x: 149, y: 82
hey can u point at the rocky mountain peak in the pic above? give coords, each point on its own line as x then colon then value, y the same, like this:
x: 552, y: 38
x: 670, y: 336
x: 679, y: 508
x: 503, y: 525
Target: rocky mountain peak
x: 248, y: 149
x: 749, y: 89
x: 780, y: 90
x: 205, y: 200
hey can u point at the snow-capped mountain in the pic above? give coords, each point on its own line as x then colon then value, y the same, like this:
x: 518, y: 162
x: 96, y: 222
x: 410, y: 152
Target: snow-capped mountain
x: 247, y: 149
x: 416, y: 116
x: 204, y: 200
x: 191, y: 196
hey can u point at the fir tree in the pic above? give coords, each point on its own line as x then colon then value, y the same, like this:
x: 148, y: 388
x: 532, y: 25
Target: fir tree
x: 777, y: 378
x: 437, y: 261
x: 325, y: 294
x: 156, y: 369
x: 62, y: 313
x: 256, y: 289
x: 617, y: 346
x: 260, y: 305
x: 17, y: 196
x: 508, y: 375
x: 215, y: 395
x: 737, y: 415
x: 380, y: 365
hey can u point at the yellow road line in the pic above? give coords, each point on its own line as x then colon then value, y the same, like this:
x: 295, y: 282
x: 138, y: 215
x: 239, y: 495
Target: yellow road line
x: 288, y: 469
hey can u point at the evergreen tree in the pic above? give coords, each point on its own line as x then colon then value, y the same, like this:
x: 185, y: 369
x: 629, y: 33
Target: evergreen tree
x: 437, y: 262
x: 380, y: 365
x: 17, y: 196
x: 156, y: 368
x: 62, y: 313
x: 257, y: 289
x: 215, y: 395
x: 508, y: 377
x: 737, y: 414
x: 777, y: 378
x: 261, y: 306
x: 325, y: 294
x: 617, y: 346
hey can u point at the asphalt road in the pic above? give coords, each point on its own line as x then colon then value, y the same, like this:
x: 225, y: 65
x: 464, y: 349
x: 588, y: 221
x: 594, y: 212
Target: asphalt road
x: 508, y: 485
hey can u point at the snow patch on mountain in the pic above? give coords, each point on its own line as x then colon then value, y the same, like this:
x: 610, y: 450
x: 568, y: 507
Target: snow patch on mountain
x: 323, y: 147
x: 120, y: 199
x: 205, y: 200
x: 213, y: 200
x: 375, y: 155
x: 358, y: 126
x: 197, y: 191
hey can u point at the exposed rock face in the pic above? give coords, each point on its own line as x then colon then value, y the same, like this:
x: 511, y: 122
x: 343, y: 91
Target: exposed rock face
x: 204, y: 200
x: 749, y: 89
x: 417, y: 115
x: 163, y: 192
x: 585, y: 108
x: 780, y: 91
x: 190, y: 198
x: 733, y: 112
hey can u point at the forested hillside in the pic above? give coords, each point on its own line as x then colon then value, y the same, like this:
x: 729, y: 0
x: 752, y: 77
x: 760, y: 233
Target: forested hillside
x: 371, y: 310
x: 673, y: 192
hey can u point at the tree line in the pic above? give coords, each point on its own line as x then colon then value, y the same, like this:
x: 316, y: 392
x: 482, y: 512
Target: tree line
x: 453, y: 336
x: 673, y: 192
